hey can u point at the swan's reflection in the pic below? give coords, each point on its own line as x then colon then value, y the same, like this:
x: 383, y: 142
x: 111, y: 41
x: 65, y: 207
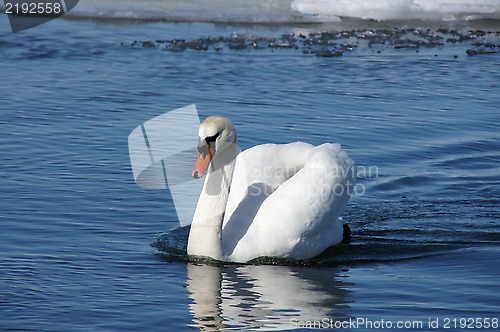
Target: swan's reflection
x: 264, y: 297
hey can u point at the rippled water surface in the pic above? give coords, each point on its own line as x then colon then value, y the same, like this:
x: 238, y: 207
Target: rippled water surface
x: 83, y: 248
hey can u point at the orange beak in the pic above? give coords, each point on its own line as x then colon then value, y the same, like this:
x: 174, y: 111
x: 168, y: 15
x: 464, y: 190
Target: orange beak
x: 201, y: 166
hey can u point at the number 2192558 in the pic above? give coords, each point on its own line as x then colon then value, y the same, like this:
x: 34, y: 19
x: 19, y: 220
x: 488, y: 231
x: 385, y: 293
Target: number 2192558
x: 471, y: 323
x: 33, y: 8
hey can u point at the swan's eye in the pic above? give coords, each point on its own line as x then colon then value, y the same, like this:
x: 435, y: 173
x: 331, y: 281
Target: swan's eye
x: 212, y: 138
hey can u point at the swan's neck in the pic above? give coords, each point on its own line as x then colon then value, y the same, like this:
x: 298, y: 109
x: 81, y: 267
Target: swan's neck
x: 205, y: 236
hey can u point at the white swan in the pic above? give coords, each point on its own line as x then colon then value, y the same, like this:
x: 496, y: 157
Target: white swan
x: 271, y: 200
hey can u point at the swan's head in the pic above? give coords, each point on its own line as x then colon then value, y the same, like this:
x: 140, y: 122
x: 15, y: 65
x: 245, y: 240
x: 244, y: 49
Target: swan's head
x: 216, y: 133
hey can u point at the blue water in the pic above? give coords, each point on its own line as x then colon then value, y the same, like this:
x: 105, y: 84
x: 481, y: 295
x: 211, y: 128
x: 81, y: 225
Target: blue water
x: 76, y: 232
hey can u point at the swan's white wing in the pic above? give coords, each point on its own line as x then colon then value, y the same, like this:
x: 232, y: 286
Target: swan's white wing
x: 260, y: 170
x: 297, y: 219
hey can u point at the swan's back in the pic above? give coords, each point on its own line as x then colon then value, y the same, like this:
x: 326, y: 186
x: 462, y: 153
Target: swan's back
x: 285, y: 201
